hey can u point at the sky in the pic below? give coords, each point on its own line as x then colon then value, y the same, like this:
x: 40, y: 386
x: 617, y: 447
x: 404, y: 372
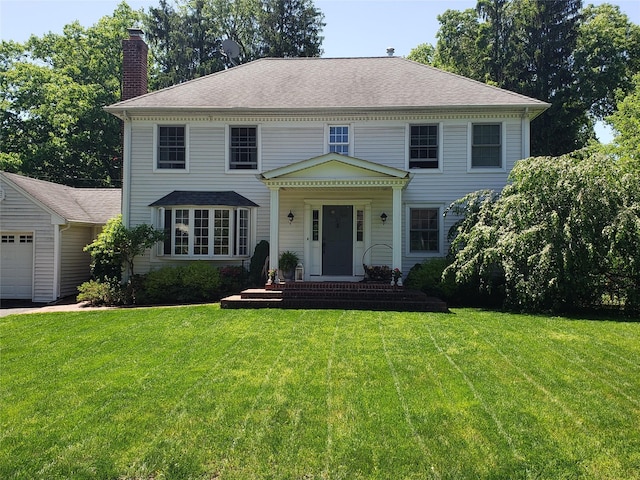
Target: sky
x: 354, y: 28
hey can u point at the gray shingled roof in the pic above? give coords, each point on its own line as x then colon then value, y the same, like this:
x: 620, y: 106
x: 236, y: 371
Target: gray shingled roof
x: 181, y: 197
x: 328, y: 83
x: 82, y: 205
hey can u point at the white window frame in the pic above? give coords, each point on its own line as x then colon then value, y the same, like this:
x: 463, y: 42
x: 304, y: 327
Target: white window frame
x: 503, y: 148
x: 234, y: 233
x: 156, y: 139
x: 227, y: 149
x: 440, y: 159
x: 424, y: 206
x: 327, y: 137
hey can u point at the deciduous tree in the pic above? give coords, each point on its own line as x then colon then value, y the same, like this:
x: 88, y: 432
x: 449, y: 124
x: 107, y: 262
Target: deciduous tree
x: 52, y: 90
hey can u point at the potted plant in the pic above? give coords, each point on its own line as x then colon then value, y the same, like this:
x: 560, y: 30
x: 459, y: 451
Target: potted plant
x: 287, y: 263
x: 397, y: 277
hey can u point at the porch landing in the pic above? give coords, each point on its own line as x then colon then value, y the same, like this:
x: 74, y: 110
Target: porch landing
x: 335, y: 295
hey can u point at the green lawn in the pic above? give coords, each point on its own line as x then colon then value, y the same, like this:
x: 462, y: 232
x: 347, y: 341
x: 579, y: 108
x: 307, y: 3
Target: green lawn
x: 199, y: 392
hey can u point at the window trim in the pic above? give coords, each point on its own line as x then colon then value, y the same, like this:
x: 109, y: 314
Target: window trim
x: 166, y: 248
x: 503, y: 150
x: 424, y: 206
x: 156, y: 140
x: 440, y: 157
x: 227, y: 149
x: 327, y: 133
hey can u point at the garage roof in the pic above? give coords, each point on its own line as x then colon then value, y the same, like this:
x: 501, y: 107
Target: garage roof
x: 81, y: 205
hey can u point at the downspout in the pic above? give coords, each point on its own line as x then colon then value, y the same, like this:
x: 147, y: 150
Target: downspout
x: 57, y: 253
x: 525, y: 133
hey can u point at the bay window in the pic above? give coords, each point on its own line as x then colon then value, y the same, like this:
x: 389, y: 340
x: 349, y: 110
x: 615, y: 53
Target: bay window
x: 205, y: 232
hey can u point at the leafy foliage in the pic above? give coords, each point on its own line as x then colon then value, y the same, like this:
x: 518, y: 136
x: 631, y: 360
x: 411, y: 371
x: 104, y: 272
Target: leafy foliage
x: 563, y: 235
x: 556, y: 51
x: 626, y: 122
x: 423, y: 53
x: 52, y: 90
x: 194, y: 282
x: 100, y: 293
x: 257, y: 275
x: 117, y: 246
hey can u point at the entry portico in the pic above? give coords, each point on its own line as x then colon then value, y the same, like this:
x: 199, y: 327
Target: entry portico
x: 340, y: 199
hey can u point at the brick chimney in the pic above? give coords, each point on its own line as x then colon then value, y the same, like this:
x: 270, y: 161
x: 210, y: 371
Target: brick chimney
x: 134, y: 64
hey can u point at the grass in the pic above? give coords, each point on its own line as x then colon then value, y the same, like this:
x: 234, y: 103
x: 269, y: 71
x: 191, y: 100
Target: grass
x: 199, y: 392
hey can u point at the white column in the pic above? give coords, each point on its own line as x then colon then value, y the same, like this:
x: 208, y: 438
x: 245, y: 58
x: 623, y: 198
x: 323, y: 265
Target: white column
x: 274, y: 229
x: 396, y: 244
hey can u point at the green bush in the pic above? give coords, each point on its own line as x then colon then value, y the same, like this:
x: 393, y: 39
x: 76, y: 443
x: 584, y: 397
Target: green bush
x: 99, y: 293
x: 233, y: 278
x: 563, y: 235
x: 427, y: 277
x: 430, y: 278
x: 260, y: 254
x: 195, y: 282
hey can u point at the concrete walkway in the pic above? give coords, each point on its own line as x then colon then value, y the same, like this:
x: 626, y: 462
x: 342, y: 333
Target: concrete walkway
x: 63, y: 305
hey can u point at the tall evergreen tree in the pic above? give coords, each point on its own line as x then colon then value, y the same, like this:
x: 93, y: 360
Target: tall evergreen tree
x: 290, y: 28
x: 526, y: 46
x: 550, y: 33
x: 186, y: 41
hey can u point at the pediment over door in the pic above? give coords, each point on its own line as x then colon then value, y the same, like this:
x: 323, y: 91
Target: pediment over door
x: 335, y: 170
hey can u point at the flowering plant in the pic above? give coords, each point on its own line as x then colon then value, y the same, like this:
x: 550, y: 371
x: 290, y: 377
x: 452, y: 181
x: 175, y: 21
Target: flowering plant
x: 396, y: 273
x: 272, y: 273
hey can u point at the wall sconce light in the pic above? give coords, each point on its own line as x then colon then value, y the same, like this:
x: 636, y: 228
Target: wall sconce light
x: 383, y: 217
x: 290, y: 216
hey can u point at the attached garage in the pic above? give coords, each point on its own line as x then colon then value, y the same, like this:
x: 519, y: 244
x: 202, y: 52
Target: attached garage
x: 16, y: 265
x: 43, y: 230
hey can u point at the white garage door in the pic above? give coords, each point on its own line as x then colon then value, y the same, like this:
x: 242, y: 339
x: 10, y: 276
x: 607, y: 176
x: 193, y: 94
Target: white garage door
x: 16, y: 265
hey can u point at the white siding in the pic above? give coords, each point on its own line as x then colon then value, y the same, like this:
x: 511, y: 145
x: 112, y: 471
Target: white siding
x: 75, y: 263
x: 382, y: 144
x: 18, y: 213
x: 290, y: 143
x: 286, y: 141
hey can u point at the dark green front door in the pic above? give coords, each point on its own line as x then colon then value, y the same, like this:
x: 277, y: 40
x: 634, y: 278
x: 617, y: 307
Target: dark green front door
x: 337, y: 240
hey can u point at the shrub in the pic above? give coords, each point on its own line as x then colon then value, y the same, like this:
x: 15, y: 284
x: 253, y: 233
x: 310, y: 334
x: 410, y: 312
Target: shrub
x: 562, y: 236
x: 100, y: 293
x: 256, y: 275
x: 427, y: 277
x: 233, y: 278
x: 117, y: 245
x: 195, y: 282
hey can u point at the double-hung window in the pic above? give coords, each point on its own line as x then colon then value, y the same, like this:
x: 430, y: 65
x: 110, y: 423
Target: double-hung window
x: 206, y: 232
x: 486, y: 145
x: 339, y: 139
x: 243, y: 148
x: 424, y: 230
x: 423, y: 146
x: 171, y: 148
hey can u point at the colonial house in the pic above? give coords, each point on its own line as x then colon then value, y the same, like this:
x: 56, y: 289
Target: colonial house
x: 344, y: 161
x: 44, y: 228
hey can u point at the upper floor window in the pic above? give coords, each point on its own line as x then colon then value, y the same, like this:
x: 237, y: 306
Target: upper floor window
x: 423, y: 146
x: 243, y: 148
x: 486, y: 145
x: 171, y: 147
x: 339, y: 139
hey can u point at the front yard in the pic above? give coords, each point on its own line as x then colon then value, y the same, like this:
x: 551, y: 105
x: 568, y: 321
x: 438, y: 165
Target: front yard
x: 199, y: 392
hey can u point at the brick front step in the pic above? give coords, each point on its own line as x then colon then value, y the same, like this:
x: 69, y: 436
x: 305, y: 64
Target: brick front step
x: 341, y: 295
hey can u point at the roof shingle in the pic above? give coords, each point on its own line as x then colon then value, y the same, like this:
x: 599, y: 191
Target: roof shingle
x: 328, y: 83
x: 83, y: 205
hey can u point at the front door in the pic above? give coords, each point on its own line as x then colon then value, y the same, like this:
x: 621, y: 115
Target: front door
x: 337, y: 240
